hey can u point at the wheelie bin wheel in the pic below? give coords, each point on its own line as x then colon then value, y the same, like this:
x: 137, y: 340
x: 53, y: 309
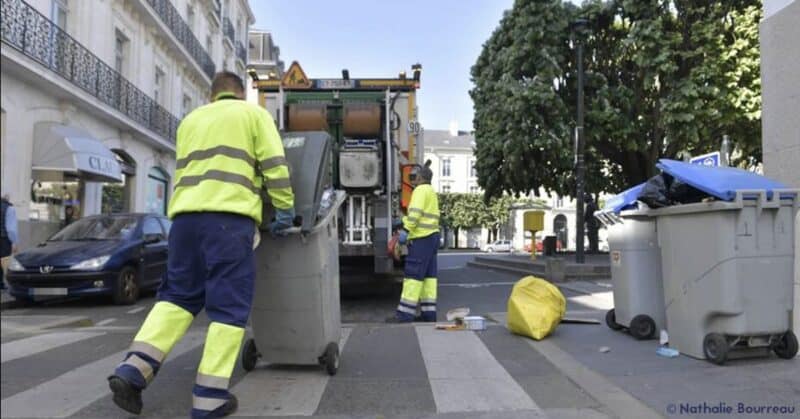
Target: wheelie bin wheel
x: 716, y: 347
x: 250, y: 355
x: 611, y: 320
x: 786, y: 348
x: 331, y: 358
x: 642, y: 327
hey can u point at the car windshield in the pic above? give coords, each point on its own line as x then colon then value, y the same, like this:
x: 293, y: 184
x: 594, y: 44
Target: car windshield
x: 97, y: 228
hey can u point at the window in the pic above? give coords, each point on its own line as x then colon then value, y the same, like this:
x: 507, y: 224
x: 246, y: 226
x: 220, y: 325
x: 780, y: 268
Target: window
x: 473, y: 189
x: 156, y: 196
x: 152, y: 226
x: 158, y: 89
x: 120, y: 48
x: 60, y: 12
x: 445, y: 188
x: 190, y: 16
x: 167, y: 225
x: 472, y: 171
x: 239, y: 28
x: 445, y: 167
x: 187, y: 104
x: 209, y: 45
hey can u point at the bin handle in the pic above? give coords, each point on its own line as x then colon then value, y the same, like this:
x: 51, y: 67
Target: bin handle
x: 793, y: 193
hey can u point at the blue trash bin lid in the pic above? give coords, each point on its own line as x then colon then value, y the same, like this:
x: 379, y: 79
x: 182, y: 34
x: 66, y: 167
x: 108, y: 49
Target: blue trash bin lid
x: 623, y: 200
x: 720, y: 182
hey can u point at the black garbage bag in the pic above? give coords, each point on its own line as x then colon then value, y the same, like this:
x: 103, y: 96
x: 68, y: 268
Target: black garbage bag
x: 682, y: 193
x: 656, y: 191
x: 664, y: 190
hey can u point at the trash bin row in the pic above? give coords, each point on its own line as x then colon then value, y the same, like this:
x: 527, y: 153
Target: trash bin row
x: 716, y: 274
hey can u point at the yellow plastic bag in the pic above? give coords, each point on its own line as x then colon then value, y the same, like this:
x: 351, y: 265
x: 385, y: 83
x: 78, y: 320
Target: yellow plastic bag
x: 535, y: 308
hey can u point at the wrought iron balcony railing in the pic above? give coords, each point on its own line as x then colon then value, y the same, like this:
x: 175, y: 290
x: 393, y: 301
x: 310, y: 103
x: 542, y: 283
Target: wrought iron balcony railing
x: 183, y: 33
x: 227, y: 28
x: 37, y: 37
x: 241, y: 52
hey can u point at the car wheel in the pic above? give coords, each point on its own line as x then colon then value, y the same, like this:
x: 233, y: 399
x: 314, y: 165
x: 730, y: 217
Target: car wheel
x: 127, y: 290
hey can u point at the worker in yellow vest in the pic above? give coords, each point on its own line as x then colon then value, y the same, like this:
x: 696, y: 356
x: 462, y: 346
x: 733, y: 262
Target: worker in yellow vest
x: 226, y: 151
x: 420, y: 229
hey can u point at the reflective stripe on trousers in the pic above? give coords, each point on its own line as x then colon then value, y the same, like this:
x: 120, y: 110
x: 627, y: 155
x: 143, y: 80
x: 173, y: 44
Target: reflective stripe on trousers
x: 418, y: 293
x: 216, y: 367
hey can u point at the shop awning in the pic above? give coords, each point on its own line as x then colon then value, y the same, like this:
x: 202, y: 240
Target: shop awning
x: 60, y: 149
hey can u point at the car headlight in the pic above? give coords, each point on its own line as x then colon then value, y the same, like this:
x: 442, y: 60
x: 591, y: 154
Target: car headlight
x: 14, y: 265
x: 91, y: 264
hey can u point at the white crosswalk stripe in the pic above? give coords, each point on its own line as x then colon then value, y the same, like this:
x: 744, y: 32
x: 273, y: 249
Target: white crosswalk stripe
x: 36, y: 344
x: 465, y: 376
x: 68, y: 393
x: 268, y: 392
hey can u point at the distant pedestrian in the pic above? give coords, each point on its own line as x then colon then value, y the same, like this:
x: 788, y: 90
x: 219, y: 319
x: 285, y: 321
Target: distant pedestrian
x: 592, y: 225
x: 421, y: 230
x: 8, y: 234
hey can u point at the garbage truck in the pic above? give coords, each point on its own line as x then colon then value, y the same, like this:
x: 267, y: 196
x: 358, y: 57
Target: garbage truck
x: 376, y: 142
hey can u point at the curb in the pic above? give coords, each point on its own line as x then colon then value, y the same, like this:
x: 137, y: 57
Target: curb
x: 515, y: 270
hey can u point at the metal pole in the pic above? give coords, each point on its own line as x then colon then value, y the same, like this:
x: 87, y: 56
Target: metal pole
x: 579, y: 163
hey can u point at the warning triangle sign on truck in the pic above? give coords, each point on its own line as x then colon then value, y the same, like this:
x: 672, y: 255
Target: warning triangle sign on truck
x: 295, y: 78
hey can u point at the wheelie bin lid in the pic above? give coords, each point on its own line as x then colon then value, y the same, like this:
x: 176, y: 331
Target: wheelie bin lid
x: 623, y: 200
x: 720, y: 182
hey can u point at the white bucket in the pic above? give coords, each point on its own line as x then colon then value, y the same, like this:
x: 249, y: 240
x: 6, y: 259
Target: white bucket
x: 475, y: 323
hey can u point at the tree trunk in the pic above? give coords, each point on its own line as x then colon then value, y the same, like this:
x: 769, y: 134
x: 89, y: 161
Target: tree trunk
x: 455, y: 237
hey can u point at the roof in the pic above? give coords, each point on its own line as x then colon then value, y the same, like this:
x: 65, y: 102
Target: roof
x: 443, y: 139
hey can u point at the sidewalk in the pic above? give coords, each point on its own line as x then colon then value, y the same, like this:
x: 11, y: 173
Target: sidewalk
x: 557, y: 268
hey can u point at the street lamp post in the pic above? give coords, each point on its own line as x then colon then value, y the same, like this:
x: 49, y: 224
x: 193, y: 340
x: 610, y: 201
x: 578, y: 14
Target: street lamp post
x: 577, y: 26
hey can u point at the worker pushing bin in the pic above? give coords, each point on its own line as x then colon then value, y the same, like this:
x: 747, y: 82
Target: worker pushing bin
x: 635, y: 273
x: 296, y: 316
x: 727, y: 271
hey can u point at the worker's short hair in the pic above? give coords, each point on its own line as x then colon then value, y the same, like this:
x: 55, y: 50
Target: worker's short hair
x: 225, y: 81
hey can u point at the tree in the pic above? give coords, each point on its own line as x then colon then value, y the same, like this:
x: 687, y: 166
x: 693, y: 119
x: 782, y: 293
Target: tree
x: 663, y: 78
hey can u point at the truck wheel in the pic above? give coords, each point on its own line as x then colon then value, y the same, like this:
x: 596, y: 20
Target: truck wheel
x: 330, y: 359
x: 611, y: 320
x: 250, y: 355
x: 642, y: 327
x: 786, y: 348
x: 715, y: 348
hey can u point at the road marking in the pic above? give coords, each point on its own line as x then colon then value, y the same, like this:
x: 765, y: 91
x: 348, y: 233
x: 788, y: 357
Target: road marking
x: 33, y: 345
x: 476, y: 285
x: 598, y: 300
x: 287, y: 392
x: 71, y: 392
x: 106, y: 321
x: 462, y: 254
x: 136, y: 310
x: 465, y: 376
x: 615, y: 399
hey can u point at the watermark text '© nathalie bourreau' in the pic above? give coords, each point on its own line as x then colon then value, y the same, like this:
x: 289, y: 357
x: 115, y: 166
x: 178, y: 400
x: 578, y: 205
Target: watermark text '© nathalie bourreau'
x: 723, y: 408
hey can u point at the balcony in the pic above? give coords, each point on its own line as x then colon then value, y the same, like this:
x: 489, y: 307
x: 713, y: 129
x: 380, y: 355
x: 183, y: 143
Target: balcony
x: 35, y: 36
x: 227, y: 29
x: 241, y: 53
x: 183, y: 33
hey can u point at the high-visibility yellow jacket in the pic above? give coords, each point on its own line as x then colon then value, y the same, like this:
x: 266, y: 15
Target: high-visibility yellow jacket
x: 226, y: 151
x: 423, y: 213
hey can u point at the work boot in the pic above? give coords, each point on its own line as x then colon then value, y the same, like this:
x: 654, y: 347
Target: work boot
x: 226, y: 409
x: 126, y: 396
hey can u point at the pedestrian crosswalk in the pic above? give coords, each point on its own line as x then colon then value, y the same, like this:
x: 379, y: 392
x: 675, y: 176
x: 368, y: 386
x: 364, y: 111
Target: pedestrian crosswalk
x: 405, y: 370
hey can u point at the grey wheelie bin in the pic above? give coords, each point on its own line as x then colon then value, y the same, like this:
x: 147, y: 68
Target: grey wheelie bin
x: 727, y: 270
x: 635, y: 273
x: 296, y: 317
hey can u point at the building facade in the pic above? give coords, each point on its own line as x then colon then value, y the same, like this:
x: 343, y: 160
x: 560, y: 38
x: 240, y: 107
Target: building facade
x: 92, y: 95
x: 264, y: 60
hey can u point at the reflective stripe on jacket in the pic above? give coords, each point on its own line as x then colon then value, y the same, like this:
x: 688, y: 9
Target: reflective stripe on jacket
x: 423, y: 213
x: 226, y: 151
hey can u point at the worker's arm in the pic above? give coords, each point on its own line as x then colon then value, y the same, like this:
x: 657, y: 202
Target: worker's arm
x: 272, y: 162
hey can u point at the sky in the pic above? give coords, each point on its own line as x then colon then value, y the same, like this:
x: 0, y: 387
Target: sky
x: 379, y: 38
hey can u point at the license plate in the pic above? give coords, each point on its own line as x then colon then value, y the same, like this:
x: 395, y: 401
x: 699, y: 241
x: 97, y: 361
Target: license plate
x: 48, y: 291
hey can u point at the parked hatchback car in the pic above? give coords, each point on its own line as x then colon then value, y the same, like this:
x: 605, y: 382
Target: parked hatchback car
x: 499, y: 246
x: 117, y: 255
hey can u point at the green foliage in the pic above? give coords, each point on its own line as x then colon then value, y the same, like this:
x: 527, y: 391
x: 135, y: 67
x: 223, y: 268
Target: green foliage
x: 663, y: 78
